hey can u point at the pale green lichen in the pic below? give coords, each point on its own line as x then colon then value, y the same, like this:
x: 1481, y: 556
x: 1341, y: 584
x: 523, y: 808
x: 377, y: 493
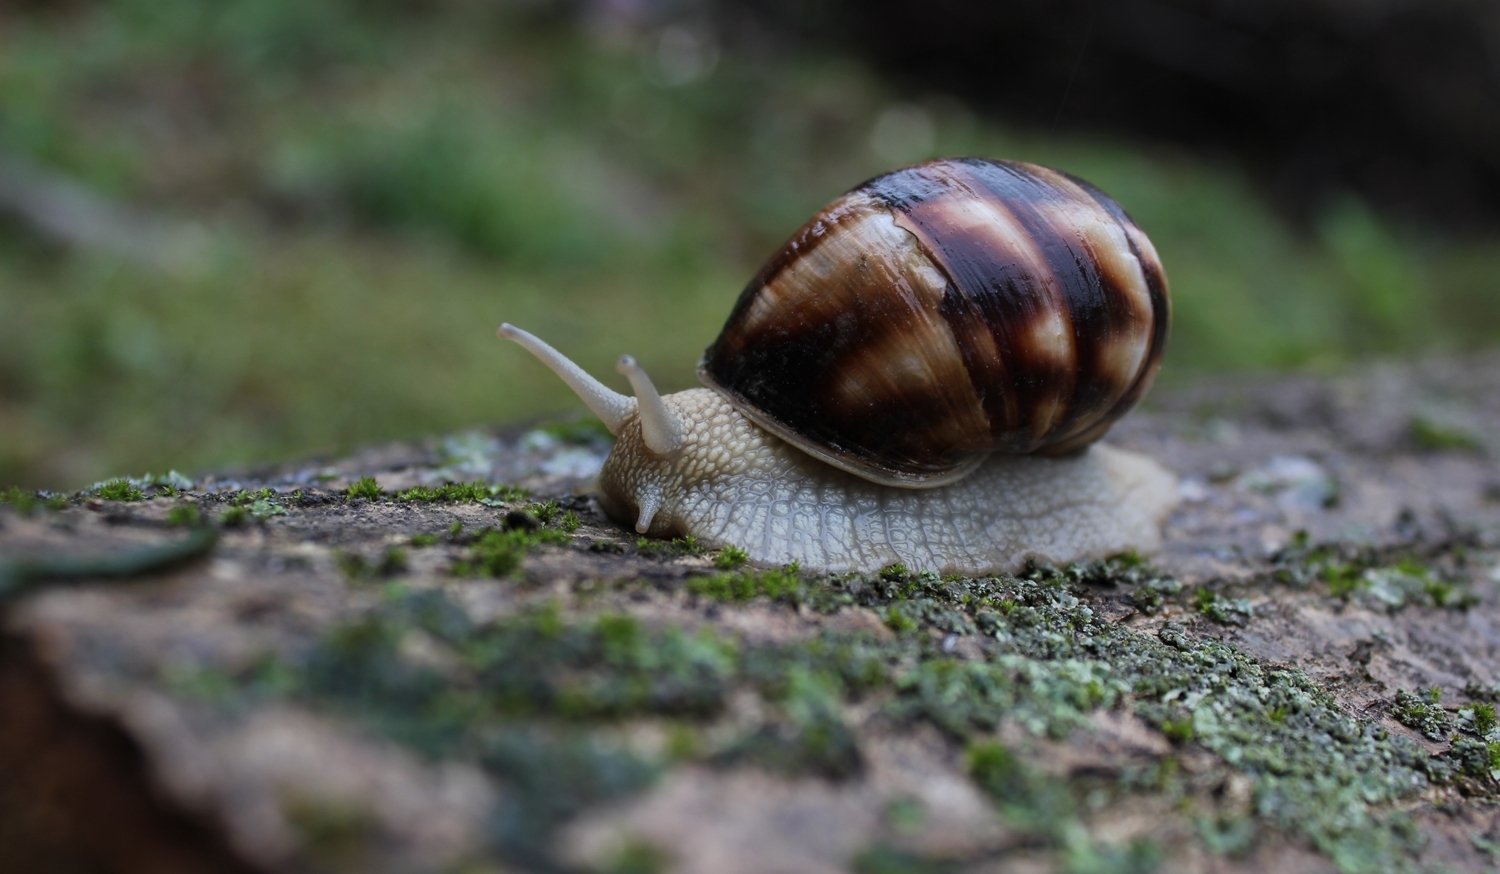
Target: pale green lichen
x: 1041, y: 659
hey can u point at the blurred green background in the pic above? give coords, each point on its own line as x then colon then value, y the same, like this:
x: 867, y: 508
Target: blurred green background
x: 252, y: 230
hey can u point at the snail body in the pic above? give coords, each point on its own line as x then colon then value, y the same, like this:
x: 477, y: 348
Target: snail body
x: 917, y: 376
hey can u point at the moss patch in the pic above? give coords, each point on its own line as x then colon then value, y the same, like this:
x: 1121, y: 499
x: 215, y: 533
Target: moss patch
x: 27, y: 502
x: 118, y: 490
x: 498, y: 552
x: 365, y: 488
x: 462, y: 493
x: 740, y: 586
x: 677, y: 546
x: 1433, y: 435
x: 537, y: 685
x: 1381, y: 578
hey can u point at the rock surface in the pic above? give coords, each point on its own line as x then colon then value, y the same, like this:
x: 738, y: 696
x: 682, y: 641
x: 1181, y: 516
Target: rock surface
x: 392, y: 676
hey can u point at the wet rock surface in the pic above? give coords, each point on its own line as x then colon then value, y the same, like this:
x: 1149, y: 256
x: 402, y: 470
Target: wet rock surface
x: 354, y: 666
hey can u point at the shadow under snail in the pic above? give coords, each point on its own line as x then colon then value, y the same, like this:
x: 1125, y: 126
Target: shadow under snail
x: 918, y: 376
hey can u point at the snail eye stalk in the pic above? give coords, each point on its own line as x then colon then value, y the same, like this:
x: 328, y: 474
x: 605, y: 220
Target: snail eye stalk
x: 660, y: 428
x: 610, y: 406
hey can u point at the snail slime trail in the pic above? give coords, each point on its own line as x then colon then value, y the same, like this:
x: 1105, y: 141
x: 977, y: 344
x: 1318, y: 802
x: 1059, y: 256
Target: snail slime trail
x: 920, y: 375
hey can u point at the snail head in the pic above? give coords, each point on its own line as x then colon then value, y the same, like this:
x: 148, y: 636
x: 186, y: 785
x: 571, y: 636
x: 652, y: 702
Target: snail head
x: 661, y: 431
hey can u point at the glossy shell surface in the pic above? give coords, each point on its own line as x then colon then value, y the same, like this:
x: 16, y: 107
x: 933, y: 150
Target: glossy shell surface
x: 945, y: 311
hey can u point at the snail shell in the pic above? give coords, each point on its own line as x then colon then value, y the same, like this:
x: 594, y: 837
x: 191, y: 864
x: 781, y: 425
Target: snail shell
x: 945, y: 311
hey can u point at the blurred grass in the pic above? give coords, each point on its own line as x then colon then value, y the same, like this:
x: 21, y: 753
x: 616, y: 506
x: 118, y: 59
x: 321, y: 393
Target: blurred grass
x: 378, y: 185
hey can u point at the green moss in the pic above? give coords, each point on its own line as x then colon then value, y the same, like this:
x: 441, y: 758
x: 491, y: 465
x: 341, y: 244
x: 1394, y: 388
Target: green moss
x: 1226, y: 835
x: 1447, y: 594
x: 534, y: 665
x: 447, y: 493
x: 889, y: 860
x: 1486, y: 845
x: 899, y: 620
x: 1424, y: 714
x: 203, y: 683
x: 1383, y: 579
x: 458, y: 493
x: 967, y: 697
x: 808, y: 733
x: 118, y: 490
x: 246, y: 504
x: 249, y: 497
x: 365, y: 488
x: 24, y: 501
x: 423, y: 540
x: 1480, y: 718
x: 783, y: 585
x: 1436, y: 436
x: 1178, y: 730
x: 1474, y: 759
x: 1050, y: 662
x: 137, y: 488
x: 1225, y: 611
x: 391, y: 561
x: 685, y: 545
x: 498, y: 553
x: 550, y: 776
x: 905, y: 815
x: 730, y: 557
x: 569, y: 522
x: 185, y: 515
x: 1027, y: 800
x: 1343, y: 580
x: 236, y: 690
x: 638, y: 857
x: 528, y: 664
x: 335, y: 833
x: 1149, y: 595
x: 265, y: 508
x: 29, y: 502
x: 1042, y: 662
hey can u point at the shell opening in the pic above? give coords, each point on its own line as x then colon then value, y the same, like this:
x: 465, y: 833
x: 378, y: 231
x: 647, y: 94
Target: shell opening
x: 610, y: 406
x: 661, y: 430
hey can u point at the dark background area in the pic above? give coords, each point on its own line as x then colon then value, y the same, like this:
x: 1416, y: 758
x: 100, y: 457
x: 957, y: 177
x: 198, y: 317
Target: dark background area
x: 1393, y: 100
x: 237, y: 232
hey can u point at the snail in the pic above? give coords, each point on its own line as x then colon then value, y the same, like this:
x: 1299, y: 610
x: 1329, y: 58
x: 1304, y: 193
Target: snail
x: 918, y: 376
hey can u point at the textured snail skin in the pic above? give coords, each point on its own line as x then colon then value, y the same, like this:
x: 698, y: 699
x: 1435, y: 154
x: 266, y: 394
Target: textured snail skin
x: 732, y: 483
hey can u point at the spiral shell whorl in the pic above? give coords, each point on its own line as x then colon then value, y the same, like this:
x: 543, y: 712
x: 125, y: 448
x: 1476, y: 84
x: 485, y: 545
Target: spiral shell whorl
x: 945, y: 311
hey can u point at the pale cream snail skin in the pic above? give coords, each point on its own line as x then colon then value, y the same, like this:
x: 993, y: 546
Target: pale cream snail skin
x: 920, y: 377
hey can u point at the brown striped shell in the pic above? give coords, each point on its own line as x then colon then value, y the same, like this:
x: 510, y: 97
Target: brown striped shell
x: 945, y: 311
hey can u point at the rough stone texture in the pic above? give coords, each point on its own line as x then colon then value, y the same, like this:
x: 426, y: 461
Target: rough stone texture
x: 301, y: 698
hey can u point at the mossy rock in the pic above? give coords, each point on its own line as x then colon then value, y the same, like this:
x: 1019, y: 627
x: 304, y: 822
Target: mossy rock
x: 396, y: 662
